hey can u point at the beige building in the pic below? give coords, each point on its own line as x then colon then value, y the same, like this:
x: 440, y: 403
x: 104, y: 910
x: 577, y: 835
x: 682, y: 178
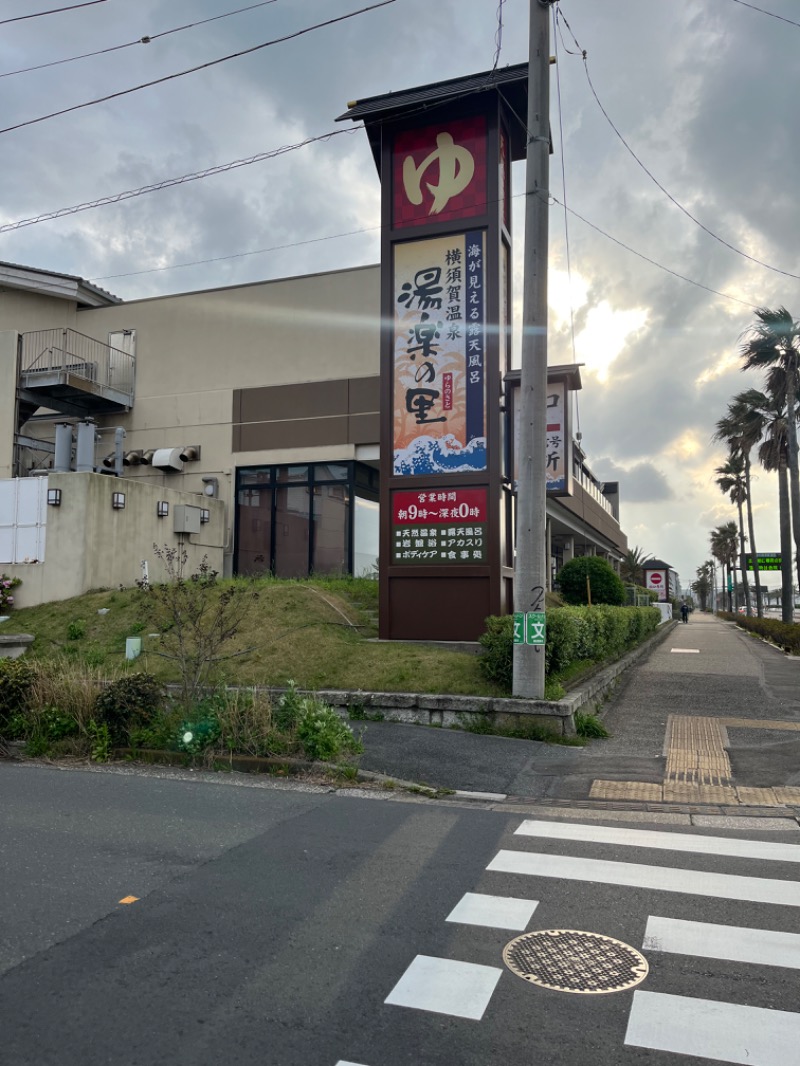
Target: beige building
x: 259, y: 401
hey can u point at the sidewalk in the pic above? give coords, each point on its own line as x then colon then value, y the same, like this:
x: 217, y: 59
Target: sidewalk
x: 710, y: 716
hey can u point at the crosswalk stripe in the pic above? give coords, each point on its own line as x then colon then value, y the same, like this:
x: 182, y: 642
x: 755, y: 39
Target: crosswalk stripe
x: 494, y: 912
x: 708, y: 1029
x: 446, y: 986
x: 735, y: 943
x: 635, y: 875
x: 650, y: 838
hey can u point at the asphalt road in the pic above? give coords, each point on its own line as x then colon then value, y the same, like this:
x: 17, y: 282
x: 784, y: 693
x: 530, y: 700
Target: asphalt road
x: 295, y: 928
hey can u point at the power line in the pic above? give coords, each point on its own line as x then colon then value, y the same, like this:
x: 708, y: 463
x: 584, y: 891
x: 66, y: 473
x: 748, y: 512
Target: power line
x: 167, y: 183
x: 238, y: 255
x: 564, y: 185
x: 764, y: 11
x: 52, y: 11
x: 201, y: 66
x: 665, y: 191
x: 647, y: 259
x: 370, y: 229
x: 146, y: 39
x: 498, y: 34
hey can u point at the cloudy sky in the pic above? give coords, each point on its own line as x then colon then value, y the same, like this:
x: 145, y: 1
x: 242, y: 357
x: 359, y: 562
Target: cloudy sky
x: 704, y: 92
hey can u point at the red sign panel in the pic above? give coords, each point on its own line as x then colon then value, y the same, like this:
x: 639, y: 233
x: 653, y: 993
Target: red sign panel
x: 439, y: 526
x: 439, y: 173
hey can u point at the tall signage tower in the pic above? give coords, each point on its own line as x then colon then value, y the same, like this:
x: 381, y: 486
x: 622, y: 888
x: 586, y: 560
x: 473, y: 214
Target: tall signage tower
x: 444, y: 154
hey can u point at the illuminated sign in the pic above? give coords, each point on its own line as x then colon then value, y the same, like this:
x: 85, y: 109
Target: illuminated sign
x: 439, y: 526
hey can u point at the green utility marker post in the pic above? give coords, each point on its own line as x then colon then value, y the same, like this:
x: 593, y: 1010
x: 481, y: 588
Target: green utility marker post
x: 535, y: 628
x: 530, y: 628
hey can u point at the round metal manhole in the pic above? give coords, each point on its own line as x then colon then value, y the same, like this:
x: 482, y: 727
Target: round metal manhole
x: 567, y: 960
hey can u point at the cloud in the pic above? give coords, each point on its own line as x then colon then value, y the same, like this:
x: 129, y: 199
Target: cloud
x: 640, y: 483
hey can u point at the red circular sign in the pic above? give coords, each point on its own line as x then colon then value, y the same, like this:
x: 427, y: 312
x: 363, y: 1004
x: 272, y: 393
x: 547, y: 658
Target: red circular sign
x: 655, y: 579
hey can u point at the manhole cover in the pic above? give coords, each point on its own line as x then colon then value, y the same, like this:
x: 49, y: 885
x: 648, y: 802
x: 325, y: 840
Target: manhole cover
x: 571, y: 961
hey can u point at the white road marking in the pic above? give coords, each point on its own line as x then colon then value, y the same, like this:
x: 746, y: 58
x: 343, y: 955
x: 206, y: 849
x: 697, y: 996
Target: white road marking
x: 737, y: 944
x: 685, y: 651
x: 710, y: 1030
x: 342, y: 1062
x: 661, y: 878
x: 444, y: 986
x: 653, y: 838
x: 495, y: 912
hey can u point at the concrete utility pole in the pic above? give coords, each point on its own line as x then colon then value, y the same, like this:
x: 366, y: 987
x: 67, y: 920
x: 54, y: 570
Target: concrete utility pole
x: 530, y: 573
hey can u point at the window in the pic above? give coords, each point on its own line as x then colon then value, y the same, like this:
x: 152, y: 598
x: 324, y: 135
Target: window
x: 314, y: 518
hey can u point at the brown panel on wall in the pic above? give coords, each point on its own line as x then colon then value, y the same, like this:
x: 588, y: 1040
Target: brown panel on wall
x: 364, y: 429
x: 439, y: 608
x: 587, y: 508
x: 237, y: 405
x: 236, y: 445
x: 313, y: 399
x: 365, y: 395
x: 298, y: 433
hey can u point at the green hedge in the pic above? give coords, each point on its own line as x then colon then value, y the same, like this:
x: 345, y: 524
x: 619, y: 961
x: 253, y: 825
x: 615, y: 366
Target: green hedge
x: 785, y: 634
x: 573, y: 634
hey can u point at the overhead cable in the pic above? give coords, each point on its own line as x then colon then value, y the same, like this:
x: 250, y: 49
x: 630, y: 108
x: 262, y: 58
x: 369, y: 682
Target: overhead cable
x: 764, y: 11
x: 238, y: 255
x: 647, y: 259
x: 201, y: 66
x: 52, y: 11
x: 665, y: 191
x: 146, y: 39
x: 167, y: 183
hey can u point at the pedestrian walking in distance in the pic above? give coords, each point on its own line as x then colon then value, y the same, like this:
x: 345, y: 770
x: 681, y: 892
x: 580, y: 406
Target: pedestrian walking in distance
x: 684, y: 612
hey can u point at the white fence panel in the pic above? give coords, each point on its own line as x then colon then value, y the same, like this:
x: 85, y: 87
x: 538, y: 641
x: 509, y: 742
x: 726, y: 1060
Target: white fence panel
x: 23, y: 516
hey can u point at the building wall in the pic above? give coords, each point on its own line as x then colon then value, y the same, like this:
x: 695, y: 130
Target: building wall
x: 29, y: 311
x: 9, y: 340
x: 583, y: 506
x: 195, y: 350
x: 90, y: 545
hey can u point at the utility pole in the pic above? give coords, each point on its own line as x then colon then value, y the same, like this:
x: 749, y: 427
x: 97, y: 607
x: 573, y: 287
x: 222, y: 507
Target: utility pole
x: 530, y: 570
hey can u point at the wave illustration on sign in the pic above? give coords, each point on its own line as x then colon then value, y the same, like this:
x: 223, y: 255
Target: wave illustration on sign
x: 428, y: 455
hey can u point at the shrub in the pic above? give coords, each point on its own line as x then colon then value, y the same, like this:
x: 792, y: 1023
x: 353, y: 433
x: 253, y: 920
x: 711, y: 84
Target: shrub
x: 129, y: 703
x: 785, y: 634
x: 16, y: 678
x: 197, y: 616
x: 605, y: 584
x: 497, y: 661
x: 573, y: 634
x: 323, y: 734
x: 76, y: 630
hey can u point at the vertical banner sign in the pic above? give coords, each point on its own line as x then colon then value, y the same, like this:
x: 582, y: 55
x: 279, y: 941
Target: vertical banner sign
x: 555, y: 452
x: 440, y: 355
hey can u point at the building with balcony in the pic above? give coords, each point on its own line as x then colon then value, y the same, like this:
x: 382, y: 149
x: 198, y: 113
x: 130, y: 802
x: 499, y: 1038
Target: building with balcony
x: 262, y: 397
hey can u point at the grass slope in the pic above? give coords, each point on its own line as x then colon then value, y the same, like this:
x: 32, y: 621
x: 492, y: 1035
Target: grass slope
x: 319, y: 632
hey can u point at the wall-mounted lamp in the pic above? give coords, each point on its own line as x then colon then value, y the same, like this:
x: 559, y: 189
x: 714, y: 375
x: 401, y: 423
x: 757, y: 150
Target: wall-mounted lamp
x: 210, y: 486
x: 117, y: 500
x: 54, y: 497
x: 205, y: 515
x: 162, y: 508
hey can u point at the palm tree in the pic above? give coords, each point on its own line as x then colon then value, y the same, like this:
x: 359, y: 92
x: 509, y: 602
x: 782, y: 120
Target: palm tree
x: 741, y: 429
x: 725, y: 547
x: 630, y: 569
x: 762, y: 418
x: 702, y: 586
x: 774, y: 344
x: 730, y: 479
